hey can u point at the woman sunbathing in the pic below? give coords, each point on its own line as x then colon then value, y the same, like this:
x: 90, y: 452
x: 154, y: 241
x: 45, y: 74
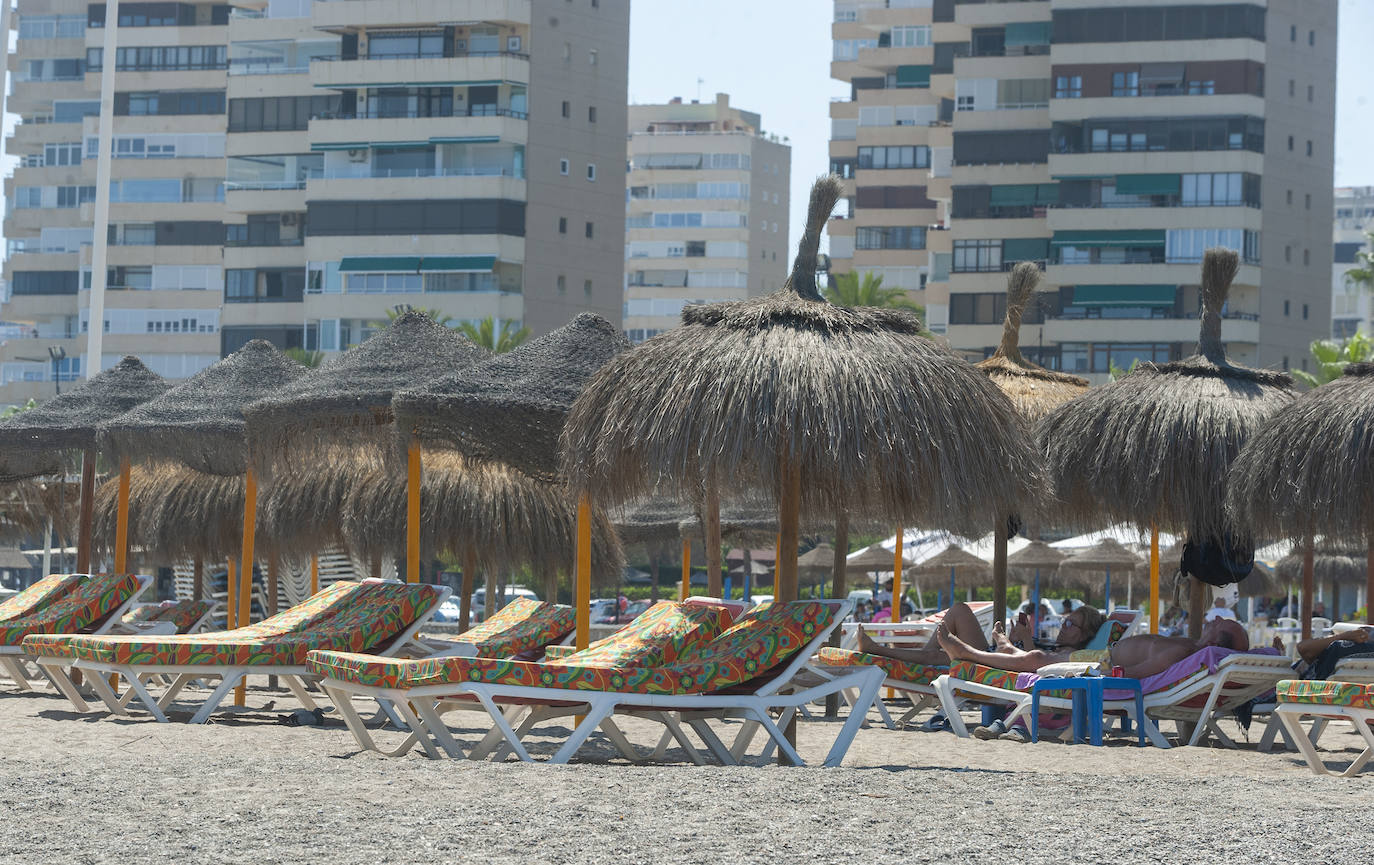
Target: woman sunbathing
x: 961, y: 628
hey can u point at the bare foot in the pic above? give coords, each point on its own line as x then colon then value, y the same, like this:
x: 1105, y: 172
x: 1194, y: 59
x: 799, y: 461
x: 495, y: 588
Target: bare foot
x: 952, y: 645
x: 866, y: 643
x: 1278, y: 643
x: 999, y: 637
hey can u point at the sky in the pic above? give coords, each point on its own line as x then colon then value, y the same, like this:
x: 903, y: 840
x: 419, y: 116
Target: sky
x: 773, y: 57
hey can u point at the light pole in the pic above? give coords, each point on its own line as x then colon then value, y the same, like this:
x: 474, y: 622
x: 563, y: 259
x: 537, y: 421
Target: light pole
x: 58, y: 354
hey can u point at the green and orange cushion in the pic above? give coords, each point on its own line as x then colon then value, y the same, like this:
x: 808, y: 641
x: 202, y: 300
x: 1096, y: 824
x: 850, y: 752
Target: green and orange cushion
x: 902, y: 671
x: 523, y: 625
x: 657, y: 636
x: 39, y: 595
x: 967, y: 671
x: 182, y: 614
x: 83, y: 608
x: 1323, y: 693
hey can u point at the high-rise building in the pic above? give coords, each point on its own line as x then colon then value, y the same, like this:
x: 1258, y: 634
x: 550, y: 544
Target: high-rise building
x: 1351, y: 311
x: 295, y: 170
x: 706, y: 210
x: 1113, y: 143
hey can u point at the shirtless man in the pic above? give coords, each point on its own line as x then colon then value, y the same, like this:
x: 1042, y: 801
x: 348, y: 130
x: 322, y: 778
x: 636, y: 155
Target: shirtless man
x: 961, y: 627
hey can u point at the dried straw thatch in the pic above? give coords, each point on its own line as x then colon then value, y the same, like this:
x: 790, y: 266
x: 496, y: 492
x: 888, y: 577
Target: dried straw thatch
x: 70, y: 420
x: 968, y: 570
x: 819, y: 557
x: 199, y: 422
x: 874, y: 559
x: 878, y: 419
x: 511, y: 408
x: 1037, y: 555
x: 176, y: 512
x: 348, y: 399
x: 26, y: 505
x: 1155, y: 447
x: 651, y: 521
x: 507, y: 519
x: 305, y: 508
x: 1330, y: 564
x: 1033, y: 389
x: 1310, y: 470
x: 740, y: 524
x: 1088, y: 568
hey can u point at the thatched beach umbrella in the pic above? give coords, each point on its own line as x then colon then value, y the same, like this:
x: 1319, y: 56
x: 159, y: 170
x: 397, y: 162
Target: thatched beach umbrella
x: 1034, y: 390
x: 1310, y: 472
x: 69, y: 422
x: 347, y: 402
x: 178, y: 512
x: 1332, y: 564
x: 964, y: 569
x: 1154, y: 448
x: 827, y: 410
x: 200, y: 425
x: 1030, y: 562
x: 1102, y: 558
x: 817, y: 562
x: 870, y: 560
x: 510, y: 411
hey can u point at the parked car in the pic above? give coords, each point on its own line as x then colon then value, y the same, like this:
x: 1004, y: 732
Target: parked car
x: 479, y: 600
x: 629, y: 614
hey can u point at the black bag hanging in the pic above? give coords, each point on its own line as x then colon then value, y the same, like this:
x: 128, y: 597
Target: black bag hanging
x: 1218, y: 562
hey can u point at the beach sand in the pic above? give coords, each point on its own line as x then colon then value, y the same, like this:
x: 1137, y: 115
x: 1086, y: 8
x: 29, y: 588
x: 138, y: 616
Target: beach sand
x: 95, y: 789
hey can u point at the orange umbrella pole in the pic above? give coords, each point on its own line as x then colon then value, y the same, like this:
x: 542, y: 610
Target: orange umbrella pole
x: 1154, y: 580
x: 231, y: 592
x: 897, y: 579
x: 314, y: 574
x: 121, y: 553
x: 686, y: 588
x: 584, y: 571
x: 413, y: 511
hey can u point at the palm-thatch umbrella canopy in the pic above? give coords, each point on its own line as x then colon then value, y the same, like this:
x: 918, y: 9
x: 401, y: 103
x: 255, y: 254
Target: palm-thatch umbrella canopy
x: 1033, y: 389
x: 740, y: 524
x: 1333, y: 564
x: 176, y: 512
x: 1095, y: 566
x: 347, y: 400
x: 27, y: 505
x: 199, y: 423
x: 824, y: 408
x: 651, y: 521
x: 70, y: 421
x: 961, y: 568
x: 816, y: 564
x: 1035, y: 556
x: 874, y: 559
x: 1310, y: 471
x: 1154, y: 448
x: 511, y: 409
x: 1264, y: 581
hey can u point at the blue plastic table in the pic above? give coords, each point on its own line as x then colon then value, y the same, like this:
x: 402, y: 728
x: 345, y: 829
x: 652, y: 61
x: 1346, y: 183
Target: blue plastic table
x: 1087, y: 704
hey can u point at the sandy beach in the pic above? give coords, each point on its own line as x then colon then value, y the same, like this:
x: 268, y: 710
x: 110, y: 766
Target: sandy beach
x: 93, y: 789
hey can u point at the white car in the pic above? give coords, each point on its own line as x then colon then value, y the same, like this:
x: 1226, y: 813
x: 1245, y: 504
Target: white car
x: 479, y: 600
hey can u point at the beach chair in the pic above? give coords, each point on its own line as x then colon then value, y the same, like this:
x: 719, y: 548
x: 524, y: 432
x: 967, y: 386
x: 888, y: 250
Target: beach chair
x: 375, y: 615
x: 1357, y: 669
x: 523, y: 628
x: 422, y: 690
x: 916, y: 633
x: 173, y: 617
x: 92, y: 605
x: 914, y: 680
x: 742, y: 673
x: 1327, y: 701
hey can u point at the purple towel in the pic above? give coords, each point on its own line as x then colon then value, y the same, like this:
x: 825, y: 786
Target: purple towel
x: 1207, y: 658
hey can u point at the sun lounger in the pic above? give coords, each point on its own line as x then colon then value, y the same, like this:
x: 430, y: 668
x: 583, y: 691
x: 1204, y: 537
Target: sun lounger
x: 915, y: 680
x: 180, y: 617
x: 39, y: 595
x: 522, y: 628
x: 375, y: 615
x: 742, y: 673
x: 1327, y: 701
x: 92, y: 605
x: 657, y: 636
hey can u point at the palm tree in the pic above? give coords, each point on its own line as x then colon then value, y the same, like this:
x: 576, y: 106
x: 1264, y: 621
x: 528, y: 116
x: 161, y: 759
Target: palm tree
x: 482, y: 333
x: 307, y: 359
x: 1363, y: 275
x: 1332, y: 355
x: 848, y: 290
x: 13, y: 410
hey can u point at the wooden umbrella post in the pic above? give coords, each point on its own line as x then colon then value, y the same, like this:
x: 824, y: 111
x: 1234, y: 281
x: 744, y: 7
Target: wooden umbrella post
x: 1154, y: 580
x: 86, y: 513
x: 413, y: 510
x: 1197, y: 607
x: 469, y: 581
x: 314, y: 575
x: 121, y: 552
x: 686, y: 588
x: 789, y: 525
x: 896, y: 615
x: 1308, y: 587
x: 245, y: 594
x: 231, y: 592
x: 197, y: 578
x: 273, y: 585
x: 711, y: 525
x: 999, y: 575
x: 1369, y: 583
x: 837, y: 591
x: 583, y: 591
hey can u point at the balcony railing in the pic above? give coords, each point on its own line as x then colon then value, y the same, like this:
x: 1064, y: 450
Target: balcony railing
x: 372, y: 173
x: 1157, y: 201
x: 424, y: 55
x: 388, y: 114
x: 264, y: 185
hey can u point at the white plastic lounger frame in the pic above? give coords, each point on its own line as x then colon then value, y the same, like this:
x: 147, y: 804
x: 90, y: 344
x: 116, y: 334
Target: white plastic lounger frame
x: 136, y: 676
x: 1357, y: 669
x: 1291, y: 715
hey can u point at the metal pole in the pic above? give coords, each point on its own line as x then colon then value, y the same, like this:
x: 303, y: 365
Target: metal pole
x: 95, y: 334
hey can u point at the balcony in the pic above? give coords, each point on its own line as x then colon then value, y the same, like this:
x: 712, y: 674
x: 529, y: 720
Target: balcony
x: 403, y: 71
x: 340, y: 16
x: 346, y: 133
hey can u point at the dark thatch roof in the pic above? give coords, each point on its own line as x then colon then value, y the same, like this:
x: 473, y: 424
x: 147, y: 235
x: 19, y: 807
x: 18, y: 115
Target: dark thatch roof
x: 880, y: 420
x: 819, y: 557
x: 969, y: 570
x: 1037, y: 555
x: 1263, y: 582
x: 305, y: 508
x: 28, y: 465
x: 1154, y: 447
x: 511, y: 408
x: 651, y: 521
x: 26, y: 505
x: 348, y: 398
x: 1106, y: 553
x: 1033, y: 389
x: 876, y: 558
x: 1310, y: 470
x: 200, y: 421
x: 70, y: 420
x: 510, y: 520
x: 1329, y: 564
x: 741, y: 523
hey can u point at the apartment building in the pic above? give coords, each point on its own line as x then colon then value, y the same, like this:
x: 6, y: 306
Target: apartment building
x: 706, y: 210
x: 1351, y: 305
x: 294, y: 170
x: 1113, y: 143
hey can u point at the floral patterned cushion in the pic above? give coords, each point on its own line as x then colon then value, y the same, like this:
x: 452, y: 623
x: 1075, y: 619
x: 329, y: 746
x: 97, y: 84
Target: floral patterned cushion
x: 182, y: 614
x: 1322, y: 693
x: 901, y: 671
x: 967, y: 671
x: 83, y: 608
x: 35, y: 597
x: 523, y: 625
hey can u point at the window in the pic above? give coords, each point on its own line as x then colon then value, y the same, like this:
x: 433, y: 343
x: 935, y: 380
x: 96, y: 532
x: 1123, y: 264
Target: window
x: 62, y: 154
x: 1202, y: 88
x: 72, y: 110
x: 561, y: 283
x: 1304, y: 311
x: 589, y: 230
x: 1125, y: 83
x: 977, y: 256
x: 1285, y: 312
x: 1133, y: 134
x: 567, y: 51
x: 1290, y: 198
x: 591, y: 113
x: 1292, y: 87
x: 562, y: 225
x: 1293, y: 33
x: 904, y: 156
x: 592, y: 56
x: 567, y: 108
x: 893, y: 237
x: 1068, y: 87
x: 563, y: 167
x: 910, y: 37
x: 1306, y: 260
x: 1309, y: 147
x: 281, y: 113
x: 1213, y: 189
x: 591, y: 171
x: 1287, y: 256
x: 1132, y: 23
x: 1309, y: 93
x: 1307, y: 201
x: 1188, y: 244
x: 587, y: 287
x: 169, y: 102
x: 1311, y: 40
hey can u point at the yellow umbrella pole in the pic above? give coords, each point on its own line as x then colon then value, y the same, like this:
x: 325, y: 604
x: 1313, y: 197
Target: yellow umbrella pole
x: 231, y: 591
x: 314, y: 574
x: 1154, y: 580
x: 686, y: 588
x: 896, y: 614
x: 584, y: 571
x: 121, y: 553
x: 245, y: 598
x: 413, y: 511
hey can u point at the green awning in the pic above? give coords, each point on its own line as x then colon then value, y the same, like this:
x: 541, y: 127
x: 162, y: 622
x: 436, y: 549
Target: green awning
x: 457, y: 263
x: 913, y: 76
x: 1123, y: 295
x: 1028, y: 33
x: 1010, y: 196
x: 339, y: 145
x: 1026, y: 249
x: 469, y: 139
x: 381, y: 264
x: 1131, y: 237
x: 1147, y: 184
